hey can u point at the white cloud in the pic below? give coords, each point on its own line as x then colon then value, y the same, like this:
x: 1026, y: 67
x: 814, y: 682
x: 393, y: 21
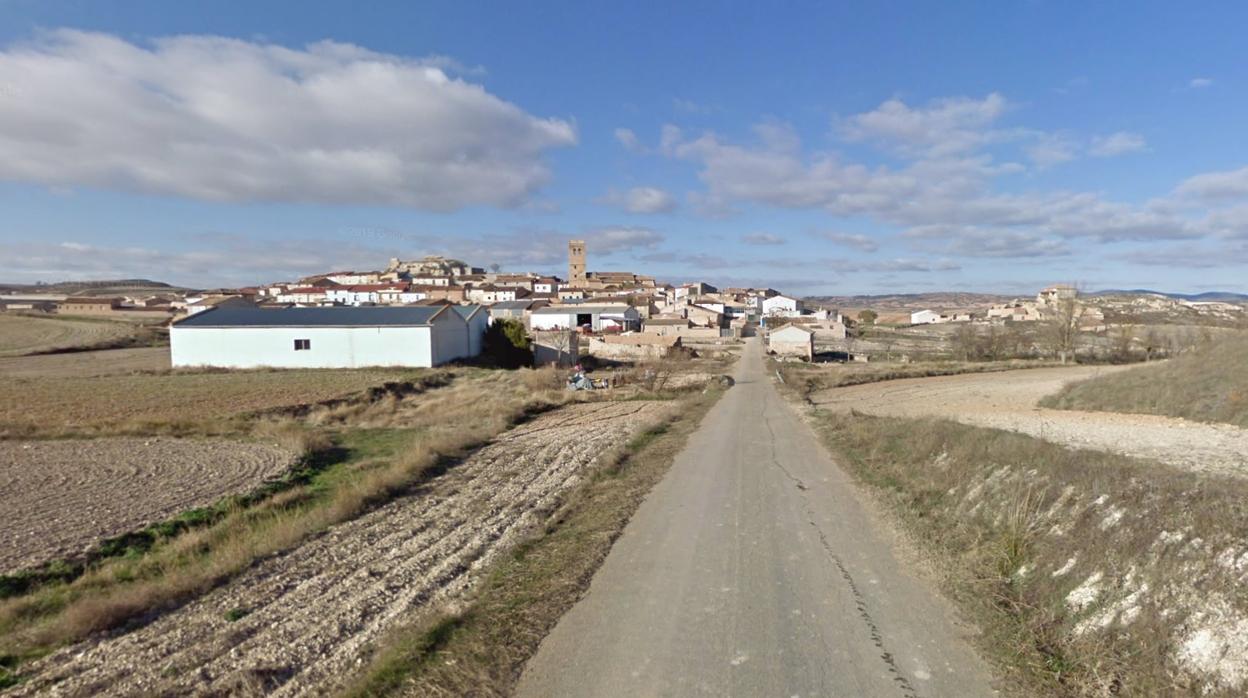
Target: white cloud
x: 939, y: 186
x: 1119, y: 143
x: 611, y: 239
x: 1052, y: 149
x: 943, y: 127
x: 762, y: 239
x: 210, y: 261
x: 1200, y: 83
x: 641, y: 200
x: 971, y: 241
x: 688, y: 106
x: 854, y: 240
x: 627, y: 138
x: 228, y: 120
x: 1231, y: 184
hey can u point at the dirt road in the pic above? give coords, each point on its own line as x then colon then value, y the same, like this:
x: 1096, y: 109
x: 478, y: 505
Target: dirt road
x: 309, y: 616
x: 1007, y: 400
x: 753, y: 569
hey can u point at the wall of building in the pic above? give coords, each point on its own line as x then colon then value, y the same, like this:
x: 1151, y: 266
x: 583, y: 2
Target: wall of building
x: 626, y: 352
x: 477, y: 325
x: 332, y: 347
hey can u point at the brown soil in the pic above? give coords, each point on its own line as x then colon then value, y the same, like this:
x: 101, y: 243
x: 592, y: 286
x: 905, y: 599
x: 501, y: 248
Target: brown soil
x: 1007, y: 400
x: 304, y: 621
x: 22, y: 334
x: 105, y: 362
x: 60, y: 498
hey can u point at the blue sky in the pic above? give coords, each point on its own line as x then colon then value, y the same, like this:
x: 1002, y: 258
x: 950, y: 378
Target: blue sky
x: 863, y: 148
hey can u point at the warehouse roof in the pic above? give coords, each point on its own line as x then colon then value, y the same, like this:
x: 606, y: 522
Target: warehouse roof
x: 581, y: 309
x: 400, y: 316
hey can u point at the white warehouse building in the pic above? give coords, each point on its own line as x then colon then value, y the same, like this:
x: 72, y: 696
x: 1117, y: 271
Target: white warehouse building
x: 608, y: 316
x: 418, y: 336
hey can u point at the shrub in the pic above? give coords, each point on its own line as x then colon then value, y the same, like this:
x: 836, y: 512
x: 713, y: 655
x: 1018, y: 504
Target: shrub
x: 507, y: 344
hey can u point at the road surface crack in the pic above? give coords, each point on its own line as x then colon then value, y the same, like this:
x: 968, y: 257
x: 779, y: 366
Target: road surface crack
x: 860, y: 600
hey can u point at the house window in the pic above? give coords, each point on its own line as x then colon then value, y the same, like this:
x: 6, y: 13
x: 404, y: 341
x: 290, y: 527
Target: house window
x: 303, y: 344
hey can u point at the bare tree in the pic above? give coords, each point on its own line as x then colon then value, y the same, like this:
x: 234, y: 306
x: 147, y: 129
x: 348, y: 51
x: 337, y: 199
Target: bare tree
x: 1062, y: 327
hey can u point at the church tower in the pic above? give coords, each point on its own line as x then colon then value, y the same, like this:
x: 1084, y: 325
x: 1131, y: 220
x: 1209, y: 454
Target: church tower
x: 576, y: 263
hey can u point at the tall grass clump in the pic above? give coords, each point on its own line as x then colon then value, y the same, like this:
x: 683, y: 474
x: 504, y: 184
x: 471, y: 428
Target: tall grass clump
x: 1206, y: 384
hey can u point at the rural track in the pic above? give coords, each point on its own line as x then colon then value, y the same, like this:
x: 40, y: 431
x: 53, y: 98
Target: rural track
x: 754, y: 569
x: 62, y: 497
x: 312, y: 613
x: 1008, y: 400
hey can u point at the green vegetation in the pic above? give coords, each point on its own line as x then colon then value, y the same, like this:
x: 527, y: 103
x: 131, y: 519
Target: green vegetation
x: 1014, y: 525
x: 507, y: 344
x: 1207, y: 384
x: 482, y: 649
x: 868, y: 317
x: 362, y: 453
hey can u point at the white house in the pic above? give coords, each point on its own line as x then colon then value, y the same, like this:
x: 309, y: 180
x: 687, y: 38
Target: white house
x: 334, y: 337
x: 924, y: 317
x: 303, y: 295
x: 546, y: 285
x: 366, y: 293
x: 782, y: 306
x: 608, y: 316
x: 792, y: 340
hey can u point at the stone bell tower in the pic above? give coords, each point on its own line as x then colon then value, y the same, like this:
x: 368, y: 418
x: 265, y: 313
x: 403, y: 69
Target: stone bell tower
x: 576, y: 263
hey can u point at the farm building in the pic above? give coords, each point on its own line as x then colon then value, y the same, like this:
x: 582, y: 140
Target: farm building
x: 326, y: 337
x: 612, y: 316
x: 478, y: 319
x: 925, y: 317
x: 792, y: 340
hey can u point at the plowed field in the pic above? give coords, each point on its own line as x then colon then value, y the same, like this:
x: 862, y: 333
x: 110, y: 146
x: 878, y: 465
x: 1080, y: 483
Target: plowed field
x: 301, y: 623
x: 58, y: 498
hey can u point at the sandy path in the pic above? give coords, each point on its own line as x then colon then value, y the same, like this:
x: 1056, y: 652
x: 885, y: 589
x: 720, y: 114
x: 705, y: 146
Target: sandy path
x: 58, y: 498
x: 314, y: 611
x: 1007, y: 400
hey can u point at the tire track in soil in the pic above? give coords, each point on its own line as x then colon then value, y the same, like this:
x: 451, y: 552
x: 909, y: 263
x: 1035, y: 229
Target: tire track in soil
x: 314, y: 612
x: 60, y: 498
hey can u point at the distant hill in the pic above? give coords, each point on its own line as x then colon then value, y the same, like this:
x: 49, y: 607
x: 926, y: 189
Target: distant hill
x: 1207, y: 296
x: 911, y: 301
x: 90, y: 287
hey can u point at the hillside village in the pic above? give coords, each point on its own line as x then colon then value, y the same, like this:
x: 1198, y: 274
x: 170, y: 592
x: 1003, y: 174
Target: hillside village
x: 435, y: 310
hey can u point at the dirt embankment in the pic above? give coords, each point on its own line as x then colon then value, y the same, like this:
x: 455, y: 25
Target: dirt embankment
x: 302, y: 622
x: 60, y: 498
x: 1008, y: 400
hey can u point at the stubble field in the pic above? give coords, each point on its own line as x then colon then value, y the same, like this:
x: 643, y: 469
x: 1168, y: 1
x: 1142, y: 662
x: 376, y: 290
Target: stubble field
x: 22, y: 334
x: 172, y: 401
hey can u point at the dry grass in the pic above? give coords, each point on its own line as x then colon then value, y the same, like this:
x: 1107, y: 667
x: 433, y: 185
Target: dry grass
x: 805, y: 378
x: 480, y: 649
x: 25, y: 334
x: 1015, y: 525
x: 200, y: 402
x: 1208, y: 384
x: 406, y: 440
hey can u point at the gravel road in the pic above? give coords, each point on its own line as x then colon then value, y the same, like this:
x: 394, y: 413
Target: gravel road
x: 753, y: 569
x: 59, y: 498
x: 1007, y: 400
x: 312, y: 613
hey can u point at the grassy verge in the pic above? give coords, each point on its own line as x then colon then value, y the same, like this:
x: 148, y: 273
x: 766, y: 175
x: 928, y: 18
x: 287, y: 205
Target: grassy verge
x: 1089, y: 573
x: 391, y: 445
x: 1208, y: 384
x: 481, y: 649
